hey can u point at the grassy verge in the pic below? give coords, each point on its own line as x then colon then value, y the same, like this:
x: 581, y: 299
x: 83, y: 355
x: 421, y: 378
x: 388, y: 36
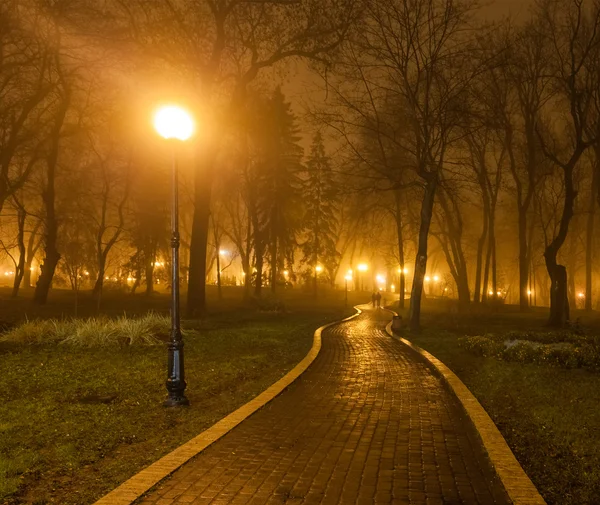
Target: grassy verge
x: 548, y: 415
x: 77, y: 421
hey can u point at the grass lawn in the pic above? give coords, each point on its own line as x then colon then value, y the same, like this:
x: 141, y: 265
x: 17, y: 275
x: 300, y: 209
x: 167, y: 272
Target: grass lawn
x: 75, y: 422
x: 548, y: 415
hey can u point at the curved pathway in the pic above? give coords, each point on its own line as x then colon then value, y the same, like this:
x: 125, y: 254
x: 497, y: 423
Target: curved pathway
x: 367, y: 423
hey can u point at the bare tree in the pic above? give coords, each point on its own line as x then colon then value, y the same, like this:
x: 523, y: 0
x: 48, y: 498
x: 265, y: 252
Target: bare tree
x: 418, y: 48
x: 572, y: 32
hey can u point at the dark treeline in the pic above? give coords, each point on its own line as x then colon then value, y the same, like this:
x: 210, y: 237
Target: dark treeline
x: 459, y: 155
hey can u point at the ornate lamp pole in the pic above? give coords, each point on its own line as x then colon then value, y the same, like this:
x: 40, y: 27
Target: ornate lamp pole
x: 176, y: 125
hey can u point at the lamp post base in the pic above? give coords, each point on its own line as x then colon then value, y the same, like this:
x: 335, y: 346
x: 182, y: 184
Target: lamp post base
x: 176, y: 401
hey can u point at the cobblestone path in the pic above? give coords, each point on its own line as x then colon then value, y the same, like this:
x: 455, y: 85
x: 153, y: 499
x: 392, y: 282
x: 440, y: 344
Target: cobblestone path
x: 367, y: 423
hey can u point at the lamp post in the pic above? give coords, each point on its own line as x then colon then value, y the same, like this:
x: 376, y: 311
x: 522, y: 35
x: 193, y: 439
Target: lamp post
x: 175, y: 124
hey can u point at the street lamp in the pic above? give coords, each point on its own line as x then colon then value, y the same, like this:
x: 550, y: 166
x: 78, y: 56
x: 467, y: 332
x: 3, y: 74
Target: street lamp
x: 175, y: 124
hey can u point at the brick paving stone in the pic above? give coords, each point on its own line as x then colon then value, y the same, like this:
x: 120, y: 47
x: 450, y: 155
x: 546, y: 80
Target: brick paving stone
x: 367, y: 423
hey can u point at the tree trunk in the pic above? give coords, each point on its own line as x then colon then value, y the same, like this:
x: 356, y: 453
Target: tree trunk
x: 51, y: 259
x: 492, y: 248
x: 572, y: 261
x: 196, y: 296
x: 523, y: 261
x: 477, y: 293
x: 149, y: 274
x: 452, y: 248
x: 485, y: 288
x: 480, y: 291
x: 219, y: 289
x: 273, y: 265
x: 138, y: 276
x: 421, y: 258
x: 274, y: 224
x: 20, y: 267
x: 247, y: 277
x: 32, y: 247
x: 259, y: 253
x: 559, y: 303
x: 52, y: 256
x: 589, y: 243
x: 99, y: 284
x: 400, y: 235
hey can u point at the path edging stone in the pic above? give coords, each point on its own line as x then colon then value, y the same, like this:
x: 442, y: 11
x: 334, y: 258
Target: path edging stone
x: 143, y: 481
x: 518, y: 486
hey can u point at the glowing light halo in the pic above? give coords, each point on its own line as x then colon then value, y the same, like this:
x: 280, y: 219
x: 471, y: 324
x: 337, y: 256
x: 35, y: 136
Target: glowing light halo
x: 173, y: 122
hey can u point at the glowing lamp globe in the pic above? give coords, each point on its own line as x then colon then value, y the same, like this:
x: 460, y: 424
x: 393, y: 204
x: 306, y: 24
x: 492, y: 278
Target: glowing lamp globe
x: 173, y: 122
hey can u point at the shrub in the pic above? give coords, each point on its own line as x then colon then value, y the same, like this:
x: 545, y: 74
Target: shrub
x: 546, y: 337
x: 568, y: 357
x: 481, y: 346
x: 150, y: 329
x: 574, y: 354
x: 522, y: 352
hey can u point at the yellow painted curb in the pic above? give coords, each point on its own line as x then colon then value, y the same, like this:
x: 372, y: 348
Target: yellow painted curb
x: 517, y: 484
x: 143, y: 481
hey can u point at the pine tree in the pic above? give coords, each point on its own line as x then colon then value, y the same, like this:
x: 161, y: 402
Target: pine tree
x: 280, y: 194
x: 320, y: 221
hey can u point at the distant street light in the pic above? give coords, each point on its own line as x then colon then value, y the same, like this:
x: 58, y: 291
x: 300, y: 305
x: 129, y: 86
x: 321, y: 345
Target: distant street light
x: 175, y: 124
